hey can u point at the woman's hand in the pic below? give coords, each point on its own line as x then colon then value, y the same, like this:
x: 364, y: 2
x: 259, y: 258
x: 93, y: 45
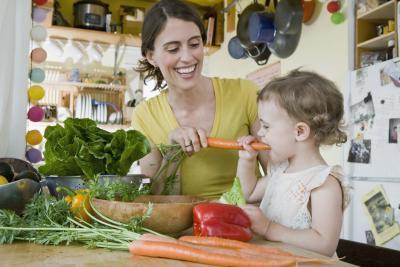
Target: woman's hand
x: 249, y: 153
x: 190, y: 139
x: 259, y: 222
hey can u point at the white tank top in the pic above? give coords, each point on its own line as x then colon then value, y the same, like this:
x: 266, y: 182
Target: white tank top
x: 287, y: 194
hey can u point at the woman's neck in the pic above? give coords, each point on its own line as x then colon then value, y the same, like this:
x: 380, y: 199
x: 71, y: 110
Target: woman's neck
x: 306, y: 156
x: 190, y: 99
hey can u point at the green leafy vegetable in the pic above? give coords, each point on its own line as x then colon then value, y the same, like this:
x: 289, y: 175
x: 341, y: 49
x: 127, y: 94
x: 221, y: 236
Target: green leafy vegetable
x: 235, y: 195
x: 48, y: 221
x: 81, y: 148
x: 125, y: 192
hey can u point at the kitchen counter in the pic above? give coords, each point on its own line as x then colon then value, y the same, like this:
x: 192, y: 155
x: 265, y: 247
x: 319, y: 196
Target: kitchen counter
x: 25, y: 254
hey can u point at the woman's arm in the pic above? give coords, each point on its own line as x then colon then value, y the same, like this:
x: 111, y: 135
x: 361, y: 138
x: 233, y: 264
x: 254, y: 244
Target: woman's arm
x: 149, y: 165
x: 327, y: 215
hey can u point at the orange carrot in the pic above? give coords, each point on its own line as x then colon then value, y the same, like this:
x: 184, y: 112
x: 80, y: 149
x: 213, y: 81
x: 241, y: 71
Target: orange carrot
x: 252, y: 249
x: 179, y: 251
x: 228, y: 243
x: 232, y: 144
x: 220, y: 250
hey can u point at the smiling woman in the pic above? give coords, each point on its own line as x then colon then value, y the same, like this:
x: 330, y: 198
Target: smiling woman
x: 191, y: 106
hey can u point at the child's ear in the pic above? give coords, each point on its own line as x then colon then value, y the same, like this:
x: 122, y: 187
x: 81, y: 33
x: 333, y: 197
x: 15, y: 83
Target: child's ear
x: 302, y: 131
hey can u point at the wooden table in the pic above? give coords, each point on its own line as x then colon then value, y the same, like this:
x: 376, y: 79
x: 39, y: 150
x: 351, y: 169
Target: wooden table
x: 25, y: 254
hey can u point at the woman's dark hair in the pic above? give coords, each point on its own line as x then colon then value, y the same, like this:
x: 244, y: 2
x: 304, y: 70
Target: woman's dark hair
x: 154, y: 22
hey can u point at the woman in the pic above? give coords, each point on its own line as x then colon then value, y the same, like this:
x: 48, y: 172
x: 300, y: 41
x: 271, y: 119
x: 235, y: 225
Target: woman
x: 193, y: 106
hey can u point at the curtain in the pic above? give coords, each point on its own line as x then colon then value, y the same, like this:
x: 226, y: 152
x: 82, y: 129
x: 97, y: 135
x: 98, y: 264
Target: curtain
x: 15, y: 25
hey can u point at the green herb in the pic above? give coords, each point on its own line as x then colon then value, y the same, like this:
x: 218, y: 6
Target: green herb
x: 62, y: 228
x: 173, y: 155
x: 235, y: 195
x: 110, y: 190
x: 81, y: 148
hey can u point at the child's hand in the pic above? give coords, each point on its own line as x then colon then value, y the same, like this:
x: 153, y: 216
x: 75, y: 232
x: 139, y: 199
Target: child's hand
x: 248, y: 153
x: 259, y: 222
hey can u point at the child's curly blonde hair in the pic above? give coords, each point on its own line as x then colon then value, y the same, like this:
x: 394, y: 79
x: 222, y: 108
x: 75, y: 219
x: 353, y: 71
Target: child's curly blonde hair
x: 312, y: 99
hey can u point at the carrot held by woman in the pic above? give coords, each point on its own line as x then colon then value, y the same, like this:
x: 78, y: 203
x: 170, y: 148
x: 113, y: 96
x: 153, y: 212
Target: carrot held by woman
x: 232, y: 144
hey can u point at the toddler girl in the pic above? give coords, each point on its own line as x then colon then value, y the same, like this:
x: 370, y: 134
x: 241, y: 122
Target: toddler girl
x: 302, y: 198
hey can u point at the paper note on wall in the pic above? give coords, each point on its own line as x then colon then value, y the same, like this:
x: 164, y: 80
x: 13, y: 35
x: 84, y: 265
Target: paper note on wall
x: 262, y: 76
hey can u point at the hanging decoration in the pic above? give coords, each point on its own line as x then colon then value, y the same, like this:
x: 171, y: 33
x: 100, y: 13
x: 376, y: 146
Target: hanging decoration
x: 37, y: 76
x: 334, y: 7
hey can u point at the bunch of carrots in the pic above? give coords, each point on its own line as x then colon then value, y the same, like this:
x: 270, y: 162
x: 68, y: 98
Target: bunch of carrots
x: 216, y: 251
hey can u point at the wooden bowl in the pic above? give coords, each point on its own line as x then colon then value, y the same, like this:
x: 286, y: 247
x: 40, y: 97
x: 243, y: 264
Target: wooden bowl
x: 171, y: 214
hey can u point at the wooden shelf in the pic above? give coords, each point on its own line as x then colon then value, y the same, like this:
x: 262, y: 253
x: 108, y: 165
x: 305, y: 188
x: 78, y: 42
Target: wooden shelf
x: 381, y: 12
x: 89, y: 85
x: 379, y: 42
x: 41, y: 125
x: 93, y: 36
x: 103, y: 37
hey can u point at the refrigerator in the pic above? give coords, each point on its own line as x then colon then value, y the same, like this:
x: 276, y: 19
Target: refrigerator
x: 372, y: 155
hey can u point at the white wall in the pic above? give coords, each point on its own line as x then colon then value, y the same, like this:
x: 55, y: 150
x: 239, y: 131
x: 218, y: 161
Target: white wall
x: 15, y: 24
x: 323, y: 48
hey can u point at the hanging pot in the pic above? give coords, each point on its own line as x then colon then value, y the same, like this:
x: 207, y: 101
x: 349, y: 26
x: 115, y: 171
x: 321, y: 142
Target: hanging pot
x: 288, y: 16
x: 243, y: 23
x: 284, y: 44
x: 261, y: 27
x: 236, y: 49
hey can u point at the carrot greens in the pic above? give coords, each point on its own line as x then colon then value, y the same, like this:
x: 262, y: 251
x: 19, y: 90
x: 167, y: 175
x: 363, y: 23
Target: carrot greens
x: 49, y: 221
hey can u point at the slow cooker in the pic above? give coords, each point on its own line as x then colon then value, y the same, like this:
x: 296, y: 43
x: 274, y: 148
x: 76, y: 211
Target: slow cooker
x: 90, y: 14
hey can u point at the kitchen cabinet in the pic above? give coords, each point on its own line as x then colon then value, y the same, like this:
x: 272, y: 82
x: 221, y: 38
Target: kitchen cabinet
x: 376, y: 33
x: 55, y: 31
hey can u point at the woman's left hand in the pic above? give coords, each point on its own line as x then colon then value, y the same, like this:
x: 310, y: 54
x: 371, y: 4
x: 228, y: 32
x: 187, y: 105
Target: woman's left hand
x: 259, y: 222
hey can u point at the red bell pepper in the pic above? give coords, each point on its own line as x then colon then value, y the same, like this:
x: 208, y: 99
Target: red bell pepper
x: 221, y: 220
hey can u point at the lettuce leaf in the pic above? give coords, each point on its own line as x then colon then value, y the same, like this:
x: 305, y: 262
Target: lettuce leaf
x: 235, y: 195
x: 81, y: 148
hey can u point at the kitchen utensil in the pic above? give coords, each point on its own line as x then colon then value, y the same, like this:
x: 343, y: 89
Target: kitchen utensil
x: 261, y: 27
x: 236, y: 49
x: 90, y: 14
x: 284, y: 44
x: 242, y: 31
x: 288, y: 16
x: 171, y: 214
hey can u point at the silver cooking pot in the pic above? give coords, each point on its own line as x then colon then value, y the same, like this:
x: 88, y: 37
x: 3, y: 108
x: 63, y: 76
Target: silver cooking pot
x: 90, y: 14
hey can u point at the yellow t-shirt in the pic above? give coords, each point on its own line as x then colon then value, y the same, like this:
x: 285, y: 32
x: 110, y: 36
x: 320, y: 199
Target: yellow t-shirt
x: 210, y: 172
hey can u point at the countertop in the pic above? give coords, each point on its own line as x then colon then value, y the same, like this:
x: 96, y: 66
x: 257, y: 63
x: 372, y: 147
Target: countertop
x: 25, y: 254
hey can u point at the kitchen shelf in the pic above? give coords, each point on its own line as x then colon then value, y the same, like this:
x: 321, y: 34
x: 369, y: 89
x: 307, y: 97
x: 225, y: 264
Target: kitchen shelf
x: 379, y: 42
x: 370, y: 45
x: 381, y: 12
x: 89, y: 85
x: 41, y: 125
x: 59, y: 32
x: 93, y: 36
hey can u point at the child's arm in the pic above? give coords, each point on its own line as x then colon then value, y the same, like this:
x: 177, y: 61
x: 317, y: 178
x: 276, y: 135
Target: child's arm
x: 323, y: 237
x: 252, y: 187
